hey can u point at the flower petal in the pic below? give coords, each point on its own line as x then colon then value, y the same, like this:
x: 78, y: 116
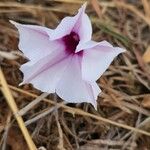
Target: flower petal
x: 73, y: 89
x: 34, y: 41
x: 45, y: 74
x: 96, y: 91
x: 91, y: 44
x: 83, y: 26
x: 97, y: 59
x: 64, y: 28
x: 80, y: 24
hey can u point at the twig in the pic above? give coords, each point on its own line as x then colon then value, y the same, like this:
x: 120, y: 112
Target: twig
x: 11, y: 102
x: 6, y: 130
x: 128, y: 7
x: 61, y: 143
x: 106, y: 142
x: 71, y: 1
x: 49, y: 110
x: 96, y: 8
x: 28, y: 7
x: 146, y: 6
x: 32, y: 104
x: 81, y: 112
x: 132, y: 139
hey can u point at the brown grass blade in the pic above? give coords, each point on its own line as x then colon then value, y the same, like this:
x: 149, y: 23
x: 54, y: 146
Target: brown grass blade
x: 11, y: 102
x: 128, y: 7
x: 96, y: 8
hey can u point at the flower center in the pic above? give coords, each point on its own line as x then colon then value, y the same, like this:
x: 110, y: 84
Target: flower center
x: 71, y: 41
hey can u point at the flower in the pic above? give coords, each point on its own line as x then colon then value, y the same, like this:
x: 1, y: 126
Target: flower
x: 65, y: 60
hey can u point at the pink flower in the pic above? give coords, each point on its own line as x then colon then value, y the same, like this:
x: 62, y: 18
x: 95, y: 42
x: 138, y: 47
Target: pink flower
x: 65, y: 60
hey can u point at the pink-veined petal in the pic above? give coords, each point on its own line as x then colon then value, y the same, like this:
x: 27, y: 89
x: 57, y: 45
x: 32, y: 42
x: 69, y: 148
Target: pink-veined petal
x: 34, y: 41
x: 97, y: 59
x: 45, y: 74
x: 73, y: 88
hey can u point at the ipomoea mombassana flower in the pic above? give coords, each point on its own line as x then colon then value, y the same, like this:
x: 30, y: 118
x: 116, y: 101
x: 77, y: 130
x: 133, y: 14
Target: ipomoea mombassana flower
x: 65, y: 60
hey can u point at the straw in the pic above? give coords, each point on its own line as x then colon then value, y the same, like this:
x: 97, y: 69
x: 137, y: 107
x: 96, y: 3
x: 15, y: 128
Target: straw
x: 11, y: 102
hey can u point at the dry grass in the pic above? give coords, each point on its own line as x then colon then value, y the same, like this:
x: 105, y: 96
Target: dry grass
x: 123, y: 117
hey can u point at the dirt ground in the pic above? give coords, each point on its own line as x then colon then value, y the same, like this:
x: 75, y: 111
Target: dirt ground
x: 122, y: 121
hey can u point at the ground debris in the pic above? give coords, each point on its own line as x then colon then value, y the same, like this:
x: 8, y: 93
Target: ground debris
x: 126, y: 84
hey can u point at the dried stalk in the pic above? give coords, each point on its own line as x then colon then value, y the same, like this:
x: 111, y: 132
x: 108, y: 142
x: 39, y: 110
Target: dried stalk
x: 11, y: 102
x: 81, y: 112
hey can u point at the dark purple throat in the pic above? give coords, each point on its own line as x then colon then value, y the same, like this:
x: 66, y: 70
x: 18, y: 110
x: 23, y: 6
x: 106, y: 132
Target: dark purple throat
x: 71, y: 41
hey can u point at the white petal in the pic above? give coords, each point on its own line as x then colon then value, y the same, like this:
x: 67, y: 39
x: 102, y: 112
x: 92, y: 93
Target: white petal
x: 97, y: 59
x: 83, y: 26
x: 91, y: 44
x: 37, y: 28
x: 64, y: 28
x: 72, y: 88
x: 80, y: 24
x: 34, y: 41
x: 45, y: 74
